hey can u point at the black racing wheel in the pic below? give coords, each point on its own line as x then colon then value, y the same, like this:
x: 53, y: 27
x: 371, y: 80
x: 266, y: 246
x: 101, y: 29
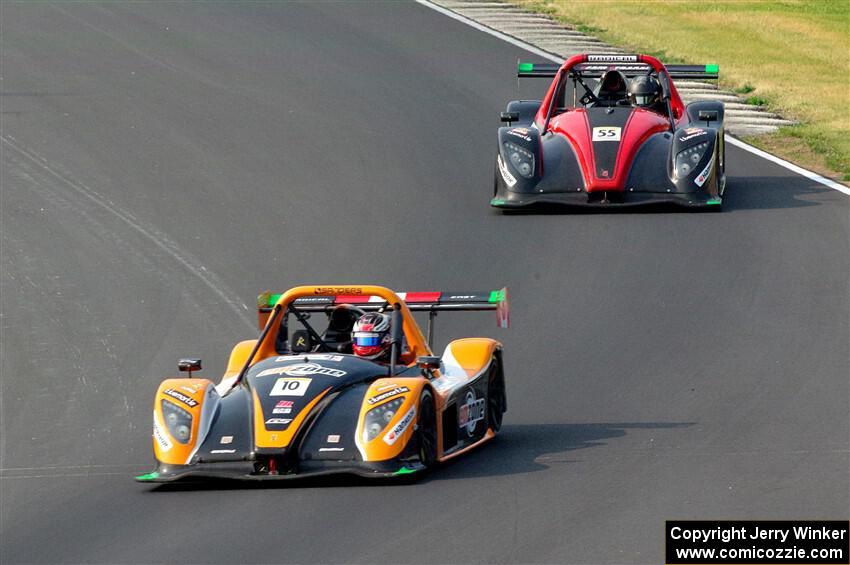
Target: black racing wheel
x: 497, y: 402
x: 426, y: 429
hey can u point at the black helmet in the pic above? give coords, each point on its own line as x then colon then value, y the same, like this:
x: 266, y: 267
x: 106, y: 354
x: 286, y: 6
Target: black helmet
x: 644, y: 91
x: 612, y: 82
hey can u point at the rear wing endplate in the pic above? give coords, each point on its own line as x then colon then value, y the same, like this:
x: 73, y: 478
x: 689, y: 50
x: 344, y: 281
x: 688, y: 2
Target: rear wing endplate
x: 416, y: 301
x: 595, y: 70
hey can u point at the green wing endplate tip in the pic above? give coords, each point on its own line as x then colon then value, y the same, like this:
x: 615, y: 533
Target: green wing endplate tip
x: 404, y: 471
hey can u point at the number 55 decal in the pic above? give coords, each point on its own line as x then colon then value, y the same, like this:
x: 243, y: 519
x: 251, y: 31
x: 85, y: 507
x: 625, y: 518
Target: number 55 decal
x: 606, y: 134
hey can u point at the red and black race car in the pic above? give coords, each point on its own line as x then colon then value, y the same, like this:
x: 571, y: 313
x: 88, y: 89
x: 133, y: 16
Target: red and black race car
x: 611, y: 130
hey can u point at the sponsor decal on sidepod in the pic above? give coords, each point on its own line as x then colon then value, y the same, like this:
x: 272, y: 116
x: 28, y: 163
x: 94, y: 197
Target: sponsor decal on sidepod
x: 389, y: 394
x: 506, y: 174
x: 692, y: 133
x: 703, y: 176
x: 399, y: 428
x: 160, y: 437
x: 521, y: 133
x: 187, y: 400
x: 469, y: 414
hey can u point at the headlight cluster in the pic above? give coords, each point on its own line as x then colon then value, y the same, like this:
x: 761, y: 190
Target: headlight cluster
x: 521, y: 159
x: 688, y: 159
x: 178, y: 421
x: 379, y: 417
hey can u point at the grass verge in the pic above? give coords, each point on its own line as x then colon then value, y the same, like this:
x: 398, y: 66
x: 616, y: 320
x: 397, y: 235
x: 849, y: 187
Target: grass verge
x: 790, y: 56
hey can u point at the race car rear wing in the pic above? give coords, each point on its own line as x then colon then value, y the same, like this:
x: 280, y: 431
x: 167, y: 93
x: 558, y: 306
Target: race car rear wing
x: 633, y: 69
x: 431, y: 302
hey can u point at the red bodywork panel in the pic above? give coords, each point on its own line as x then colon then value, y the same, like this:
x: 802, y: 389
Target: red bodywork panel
x: 575, y: 127
x: 573, y: 124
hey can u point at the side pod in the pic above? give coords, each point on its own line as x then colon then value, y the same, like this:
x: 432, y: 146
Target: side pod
x: 695, y: 152
x: 388, y: 416
x: 182, y: 413
x: 471, y: 355
x: 518, y: 162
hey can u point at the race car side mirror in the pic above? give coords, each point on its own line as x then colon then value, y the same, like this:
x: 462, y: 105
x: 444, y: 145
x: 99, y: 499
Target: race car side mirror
x: 509, y: 117
x: 708, y: 116
x: 188, y: 365
x: 428, y: 362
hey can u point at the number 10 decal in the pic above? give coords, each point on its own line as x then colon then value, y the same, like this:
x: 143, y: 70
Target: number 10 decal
x: 292, y: 386
x: 606, y: 134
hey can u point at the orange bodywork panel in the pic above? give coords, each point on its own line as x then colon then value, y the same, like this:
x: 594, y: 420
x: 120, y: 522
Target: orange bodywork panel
x: 238, y: 355
x: 473, y: 353
x: 266, y: 438
x: 393, y: 438
x: 187, y: 395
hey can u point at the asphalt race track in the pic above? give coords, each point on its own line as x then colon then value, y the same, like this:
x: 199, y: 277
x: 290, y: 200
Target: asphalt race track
x: 164, y: 162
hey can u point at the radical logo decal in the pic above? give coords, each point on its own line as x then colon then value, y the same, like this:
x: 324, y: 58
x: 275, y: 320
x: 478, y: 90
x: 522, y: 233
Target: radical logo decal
x: 470, y: 413
x: 617, y: 58
x: 303, y: 370
x: 290, y: 387
x: 399, y: 428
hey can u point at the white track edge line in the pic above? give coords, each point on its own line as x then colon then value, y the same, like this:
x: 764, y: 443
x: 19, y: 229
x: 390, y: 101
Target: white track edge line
x: 788, y: 165
x: 555, y: 59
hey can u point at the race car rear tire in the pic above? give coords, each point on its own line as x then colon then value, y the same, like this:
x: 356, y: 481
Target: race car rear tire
x: 427, y: 429
x: 496, y: 397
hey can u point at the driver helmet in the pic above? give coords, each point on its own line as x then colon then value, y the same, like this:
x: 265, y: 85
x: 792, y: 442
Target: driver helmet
x: 612, y: 83
x: 371, y: 335
x: 644, y: 91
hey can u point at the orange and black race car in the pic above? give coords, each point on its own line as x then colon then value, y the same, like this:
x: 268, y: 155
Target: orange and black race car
x: 297, y: 401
